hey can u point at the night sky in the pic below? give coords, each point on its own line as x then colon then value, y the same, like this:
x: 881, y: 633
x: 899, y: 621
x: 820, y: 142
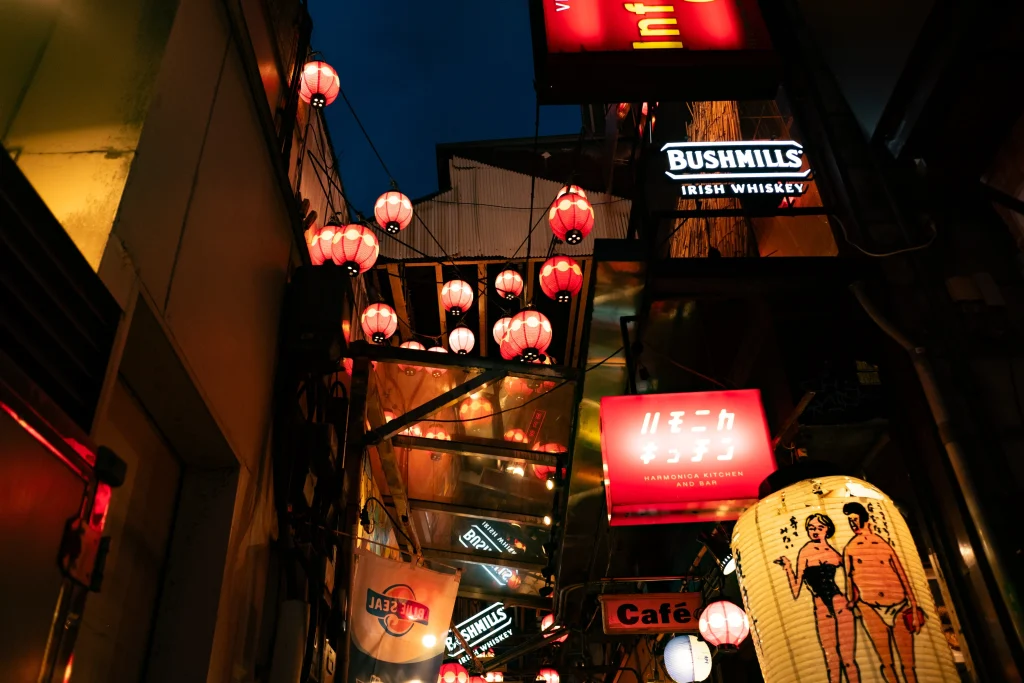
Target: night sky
x: 421, y: 72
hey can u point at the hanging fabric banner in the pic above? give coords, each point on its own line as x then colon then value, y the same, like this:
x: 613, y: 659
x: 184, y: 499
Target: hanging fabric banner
x: 400, y: 616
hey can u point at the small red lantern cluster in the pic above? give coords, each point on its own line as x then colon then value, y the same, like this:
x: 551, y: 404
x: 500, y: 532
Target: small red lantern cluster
x: 724, y: 624
x: 379, y: 322
x: 528, y: 336
x: 561, y: 278
x: 515, y: 436
x: 452, y: 673
x: 571, y: 217
x: 476, y: 408
x: 509, y: 284
x: 319, y: 84
x: 546, y: 471
x: 393, y: 212
x: 500, y: 328
x: 457, y: 296
x: 436, y: 431
x: 461, y: 340
x: 354, y: 246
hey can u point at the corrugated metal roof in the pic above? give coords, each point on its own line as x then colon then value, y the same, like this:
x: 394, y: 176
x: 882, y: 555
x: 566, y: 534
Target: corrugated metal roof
x: 486, y: 214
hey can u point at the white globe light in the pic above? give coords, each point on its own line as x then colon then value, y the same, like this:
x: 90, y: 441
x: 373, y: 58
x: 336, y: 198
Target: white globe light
x: 687, y: 659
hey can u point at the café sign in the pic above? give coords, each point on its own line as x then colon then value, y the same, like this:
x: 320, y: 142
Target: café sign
x: 690, y: 457
x: 738, y: 168
x: 650, y: 613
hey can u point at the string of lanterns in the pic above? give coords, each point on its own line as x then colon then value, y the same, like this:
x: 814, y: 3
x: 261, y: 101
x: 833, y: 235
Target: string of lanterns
x: 355, y: 247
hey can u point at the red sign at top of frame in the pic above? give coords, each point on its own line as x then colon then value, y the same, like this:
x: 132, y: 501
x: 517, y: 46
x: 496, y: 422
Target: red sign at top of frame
x: 691, y: 457
x: 616, y: 26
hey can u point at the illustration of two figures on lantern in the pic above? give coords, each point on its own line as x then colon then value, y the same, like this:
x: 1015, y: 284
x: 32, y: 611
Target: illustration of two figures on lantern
x: 876, y: 591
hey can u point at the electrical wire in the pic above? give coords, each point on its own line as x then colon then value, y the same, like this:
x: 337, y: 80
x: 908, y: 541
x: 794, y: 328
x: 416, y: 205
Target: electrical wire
x: 679, y: 365
x: 528, y: 401
x: 919, y: 247
x: 533, y: 176
x: 394, y: 521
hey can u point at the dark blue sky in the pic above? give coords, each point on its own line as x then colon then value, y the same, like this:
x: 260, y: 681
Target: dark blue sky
x: 419, y: 72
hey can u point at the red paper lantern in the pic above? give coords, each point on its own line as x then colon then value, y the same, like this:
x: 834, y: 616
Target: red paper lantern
x: 561, y: 278
x: 571, y: 218
x: 436, y: 431
x: 355, y: 247
x: 545, y: 471
x: 515, y: 436
x: 507, y: 352
x: 457, y: 296
x: 549, y: 621
x: 476, y: 408
x: 393, y: 211
x: 453, y: 673
x: 724, y: 624
x: 416, y: 346
x: 509, y: 284
x: 320, y: 242
x: 575, y: 189
x: 437, y: 372
x: 547, y: 675
x: 477, y: 679
x: 517, y: 387
x: 495, y: 677
x: 379, y: 322
x: 319, y: 84
x: 461, y: 340
x: 500, y: 328
x: 528, y: 335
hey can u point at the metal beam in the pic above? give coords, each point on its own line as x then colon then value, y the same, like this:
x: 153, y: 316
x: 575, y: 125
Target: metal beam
x: 452, y: 360
x: 468, y: 445
x: 741, y: 213
x: 398, y: 294
x: 481, y: 277
x: 439, y: 276
x: 389, y: 429
x: 393, y: 476
x: 510, y: 600
x: 475, y: 513
x: 489, y: 559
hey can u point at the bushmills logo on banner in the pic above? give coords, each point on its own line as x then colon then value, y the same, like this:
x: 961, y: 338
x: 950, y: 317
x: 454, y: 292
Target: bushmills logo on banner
x: 397, y: 609
x: 737, y: 168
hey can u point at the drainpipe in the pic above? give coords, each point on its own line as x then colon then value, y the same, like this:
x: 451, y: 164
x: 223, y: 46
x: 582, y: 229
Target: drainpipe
x: 954, y: 451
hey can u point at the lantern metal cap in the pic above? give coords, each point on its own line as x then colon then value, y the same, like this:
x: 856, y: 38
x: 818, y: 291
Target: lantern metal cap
x: 797, y: 472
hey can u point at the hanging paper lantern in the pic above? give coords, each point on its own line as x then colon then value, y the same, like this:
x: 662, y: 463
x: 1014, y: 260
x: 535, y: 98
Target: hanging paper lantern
x: 839, y: 522
x: 515, y: 436
x: 477, y: 679
x: 355, y: 247
x: 320, y: 242
x: 687, y: 659
x: 416, y: 346
x: 528, y: 335
x: 571, y: 218
x: 495, y: 677
x: 724, y: 624
x: 517, y: 387
x: 389, y: 415
x: 457, y: 296
x: 561, y: 278
x: 461, y: 340
x: 319, y: 84
x: 379, y: 322
x: 436, y: 431
x: 453, y: 673
x: 549, y: 621
x: 393, y: 212
x: 437, y: 372
x: 507, y: 353
x: 509, y: 284
x: 547, y: 675
x: 545, y: 471
x: 500, y: 328
x: 477, y: 408
x: 575, y: 189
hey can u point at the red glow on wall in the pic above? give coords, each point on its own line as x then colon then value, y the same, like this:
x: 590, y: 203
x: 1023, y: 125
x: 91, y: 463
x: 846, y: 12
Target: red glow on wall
x: 671, y: 458
x: 602, y: 26
x: 100, y: 507
x: 44, y: 442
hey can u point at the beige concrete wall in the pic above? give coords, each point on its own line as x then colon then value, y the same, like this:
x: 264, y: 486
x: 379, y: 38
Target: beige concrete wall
x: 73, y: 102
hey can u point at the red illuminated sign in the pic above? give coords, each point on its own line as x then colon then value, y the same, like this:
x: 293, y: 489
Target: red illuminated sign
x: 615, y: 26
x: 672, y: 458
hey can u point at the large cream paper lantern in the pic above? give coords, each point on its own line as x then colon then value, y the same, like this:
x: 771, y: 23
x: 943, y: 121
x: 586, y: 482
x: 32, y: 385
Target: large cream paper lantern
x: 832, y: 582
